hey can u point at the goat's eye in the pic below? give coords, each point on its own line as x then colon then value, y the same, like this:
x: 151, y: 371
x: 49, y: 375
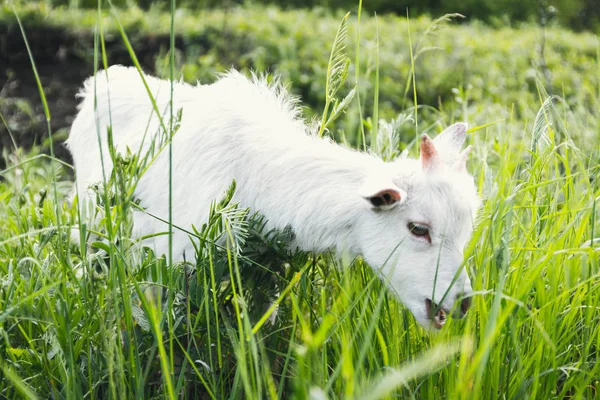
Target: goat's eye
x: 419, y: 230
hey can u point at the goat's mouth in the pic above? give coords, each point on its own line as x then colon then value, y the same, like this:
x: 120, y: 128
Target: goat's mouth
x: 436, y: 315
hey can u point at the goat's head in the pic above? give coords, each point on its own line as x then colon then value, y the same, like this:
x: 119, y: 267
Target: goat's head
x: 421, y: 217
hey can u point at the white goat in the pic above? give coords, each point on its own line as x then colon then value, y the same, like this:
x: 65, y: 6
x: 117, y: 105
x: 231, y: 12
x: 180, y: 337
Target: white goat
x: 409, y: 219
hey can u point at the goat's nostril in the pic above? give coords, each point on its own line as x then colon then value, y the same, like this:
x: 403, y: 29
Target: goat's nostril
x: 465, y: 304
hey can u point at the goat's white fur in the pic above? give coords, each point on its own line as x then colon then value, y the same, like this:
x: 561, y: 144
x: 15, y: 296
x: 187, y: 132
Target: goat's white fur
x: 251, y: 131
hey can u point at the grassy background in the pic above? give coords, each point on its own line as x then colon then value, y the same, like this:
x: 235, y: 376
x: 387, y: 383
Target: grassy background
x: 114, y: 321
x: 576, y: 14
x: 470, y: 72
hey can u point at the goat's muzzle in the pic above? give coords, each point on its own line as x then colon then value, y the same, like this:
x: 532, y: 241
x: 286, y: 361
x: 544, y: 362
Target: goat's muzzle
x: 436, y: 315
x: 465, y: 302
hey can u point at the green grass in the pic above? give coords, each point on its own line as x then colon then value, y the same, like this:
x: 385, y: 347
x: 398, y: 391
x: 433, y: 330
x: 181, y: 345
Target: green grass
x: 114, y: 321
x: 468, y: 71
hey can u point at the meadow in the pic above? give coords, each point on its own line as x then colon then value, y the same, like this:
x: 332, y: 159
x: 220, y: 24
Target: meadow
x: 253, y: 319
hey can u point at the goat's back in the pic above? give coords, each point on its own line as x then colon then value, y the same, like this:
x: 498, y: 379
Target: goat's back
x: 226, y: 131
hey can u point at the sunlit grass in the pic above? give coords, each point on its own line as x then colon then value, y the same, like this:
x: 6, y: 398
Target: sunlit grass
x: 114, y: 321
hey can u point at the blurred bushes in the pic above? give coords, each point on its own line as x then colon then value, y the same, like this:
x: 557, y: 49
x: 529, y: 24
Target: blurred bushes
x: 576, y: 14
x: 467, y: 72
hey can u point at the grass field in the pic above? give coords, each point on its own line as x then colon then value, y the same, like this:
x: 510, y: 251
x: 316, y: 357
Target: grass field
x: 113, y: 320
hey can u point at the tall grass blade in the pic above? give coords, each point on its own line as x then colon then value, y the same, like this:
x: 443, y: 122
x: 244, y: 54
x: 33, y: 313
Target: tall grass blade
x: 425, y: 364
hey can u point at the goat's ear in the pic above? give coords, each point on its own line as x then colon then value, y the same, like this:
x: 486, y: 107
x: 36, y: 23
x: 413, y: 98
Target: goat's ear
x: 460, y: 164
x: 451, y: 140
x: 385, y: 199
x: 383, y: 195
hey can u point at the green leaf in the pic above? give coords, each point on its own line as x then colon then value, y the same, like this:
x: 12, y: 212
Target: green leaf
x: 340, y: 107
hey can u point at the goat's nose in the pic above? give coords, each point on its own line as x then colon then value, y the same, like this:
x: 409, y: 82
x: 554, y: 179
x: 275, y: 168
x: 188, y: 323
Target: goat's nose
x: 465, y: 304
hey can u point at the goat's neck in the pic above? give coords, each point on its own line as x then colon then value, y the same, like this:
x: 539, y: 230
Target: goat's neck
x: 312, y: 188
